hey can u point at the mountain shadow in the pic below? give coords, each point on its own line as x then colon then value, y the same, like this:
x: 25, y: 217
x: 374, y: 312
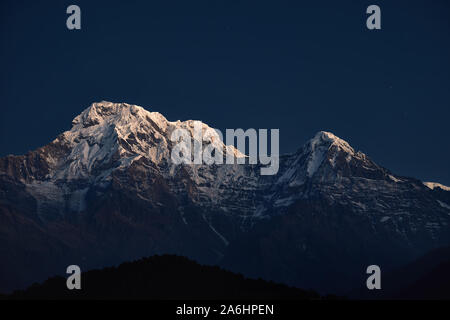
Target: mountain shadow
x: 427, y: 278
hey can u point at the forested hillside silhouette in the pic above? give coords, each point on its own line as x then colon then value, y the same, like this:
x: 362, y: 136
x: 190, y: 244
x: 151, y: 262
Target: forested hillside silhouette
x: 163, y: 277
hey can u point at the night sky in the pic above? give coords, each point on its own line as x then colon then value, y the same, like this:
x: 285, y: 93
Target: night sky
x: 300, y: 67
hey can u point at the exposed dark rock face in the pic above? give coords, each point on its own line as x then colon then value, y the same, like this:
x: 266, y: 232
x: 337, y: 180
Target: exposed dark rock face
x: 106, y: 192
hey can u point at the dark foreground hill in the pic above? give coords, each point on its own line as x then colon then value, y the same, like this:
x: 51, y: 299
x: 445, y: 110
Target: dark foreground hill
x: 163, y: 277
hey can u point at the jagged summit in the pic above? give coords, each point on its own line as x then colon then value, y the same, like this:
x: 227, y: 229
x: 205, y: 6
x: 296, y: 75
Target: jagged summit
x: 107, y: 131
x: 105, y: 111
x: 326, y: 146
x: 433, y: 185
x: 326, y: 157
x: 327, y: 138
x: 108, y: 135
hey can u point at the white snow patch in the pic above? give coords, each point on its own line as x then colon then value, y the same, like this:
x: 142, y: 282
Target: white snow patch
x: 284, y: 202
x: 225, y: 241
x: 443, y: 204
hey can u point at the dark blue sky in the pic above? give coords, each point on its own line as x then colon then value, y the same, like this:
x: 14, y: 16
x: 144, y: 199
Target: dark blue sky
x: 298, y: 66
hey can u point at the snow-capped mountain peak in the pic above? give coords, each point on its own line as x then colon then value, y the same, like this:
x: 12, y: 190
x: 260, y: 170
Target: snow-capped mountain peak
x: 324, y: 148
x: 113, y: 135
x: 324, y: 138
x: 320, y: 147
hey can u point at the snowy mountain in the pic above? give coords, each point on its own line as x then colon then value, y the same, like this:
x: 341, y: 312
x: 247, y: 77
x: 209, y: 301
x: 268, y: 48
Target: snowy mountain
x: 106, y: 191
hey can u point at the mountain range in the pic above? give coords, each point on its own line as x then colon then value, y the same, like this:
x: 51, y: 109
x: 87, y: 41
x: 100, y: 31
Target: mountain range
x: 106, y: 192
